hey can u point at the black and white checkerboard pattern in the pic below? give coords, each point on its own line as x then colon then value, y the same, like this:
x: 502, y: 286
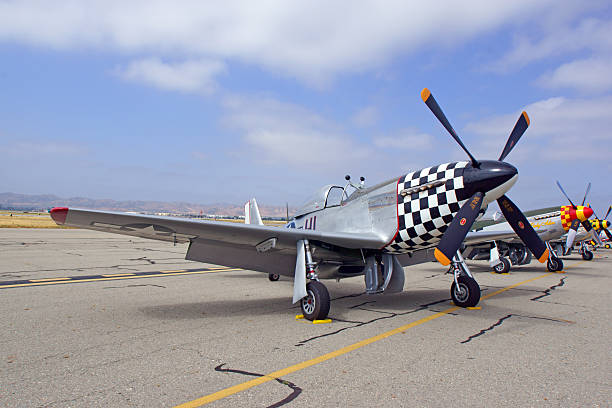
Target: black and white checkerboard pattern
x: 424, y: 216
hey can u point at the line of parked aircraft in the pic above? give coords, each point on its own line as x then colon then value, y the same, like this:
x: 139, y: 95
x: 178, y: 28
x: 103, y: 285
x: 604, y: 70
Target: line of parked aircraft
x: 351, y: 230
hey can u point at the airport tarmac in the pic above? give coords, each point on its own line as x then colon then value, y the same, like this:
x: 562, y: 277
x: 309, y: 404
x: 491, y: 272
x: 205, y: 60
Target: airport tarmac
x: 95, y: 319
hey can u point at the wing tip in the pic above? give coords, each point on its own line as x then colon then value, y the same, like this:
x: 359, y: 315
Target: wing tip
x: 59, y: 214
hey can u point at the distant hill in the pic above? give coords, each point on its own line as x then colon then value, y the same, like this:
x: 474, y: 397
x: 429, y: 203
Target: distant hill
x: 43, y: 202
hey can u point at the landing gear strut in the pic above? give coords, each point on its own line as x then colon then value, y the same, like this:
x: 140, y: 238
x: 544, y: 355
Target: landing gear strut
x: 584, y: 251
x: 464, y: 290
x: 555, y: 263
x: 315, y: 306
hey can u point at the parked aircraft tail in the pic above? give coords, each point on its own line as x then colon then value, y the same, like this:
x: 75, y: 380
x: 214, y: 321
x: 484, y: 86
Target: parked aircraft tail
x: 251, y: 213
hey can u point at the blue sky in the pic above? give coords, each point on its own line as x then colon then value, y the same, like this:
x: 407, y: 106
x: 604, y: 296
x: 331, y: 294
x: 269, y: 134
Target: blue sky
x: 205, y: 102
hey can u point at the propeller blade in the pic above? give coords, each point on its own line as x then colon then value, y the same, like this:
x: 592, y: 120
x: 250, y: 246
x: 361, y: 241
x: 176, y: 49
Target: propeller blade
x: 458, y: 229
x: 608, y: 213
x: 523, y: 228
x: 565, y: 194
x: 571, y: 234
x: 431, y: 103
x: 587, y: 225
x: 585, y: 194
x: 607, y: 233
x: 519, y: 128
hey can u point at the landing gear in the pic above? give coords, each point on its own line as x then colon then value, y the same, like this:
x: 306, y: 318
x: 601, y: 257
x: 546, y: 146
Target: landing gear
x: 554, y: 264
x: 587, y: 255
x: 273, y: 277
x: 503, y: 266
x: 315, y: 306
x: 607, y: 246
x: 465, y: 291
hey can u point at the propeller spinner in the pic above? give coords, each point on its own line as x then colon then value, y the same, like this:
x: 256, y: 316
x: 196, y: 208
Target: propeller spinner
x: 487, y: 179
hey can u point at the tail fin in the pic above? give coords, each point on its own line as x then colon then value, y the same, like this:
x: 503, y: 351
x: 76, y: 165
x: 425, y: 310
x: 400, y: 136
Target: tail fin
x: 251, y: 213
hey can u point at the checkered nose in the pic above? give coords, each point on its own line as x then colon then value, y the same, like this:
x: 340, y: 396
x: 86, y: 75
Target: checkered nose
x: 487, y: 177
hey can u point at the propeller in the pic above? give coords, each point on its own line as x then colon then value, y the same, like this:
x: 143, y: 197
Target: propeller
x: 464, y: 219
x: 571, y: 234
x: 602, y: 225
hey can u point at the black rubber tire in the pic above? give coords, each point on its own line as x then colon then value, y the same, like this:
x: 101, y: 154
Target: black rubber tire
x: 315, y: 306
x: 554, y: 264
x: 503, y: 267
x: 469, y: 299
x: 607, y: 246
x: 587, y: 255
x: 273, y: 277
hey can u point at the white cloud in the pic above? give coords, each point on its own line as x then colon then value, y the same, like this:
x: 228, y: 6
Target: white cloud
x: 187, y: 76
x: 594, y: 35
x: 288, y: 134
x: 405, y: 139
x: 561, y: 130
x: 365, y: 117
x: 586, y: 75
x: 310, y: 40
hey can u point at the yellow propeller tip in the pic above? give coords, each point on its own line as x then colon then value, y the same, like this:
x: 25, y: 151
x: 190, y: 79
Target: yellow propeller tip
x: 425, y: 94
x: 544, y: 256
x: 441, y: 257
x: 526, y: 118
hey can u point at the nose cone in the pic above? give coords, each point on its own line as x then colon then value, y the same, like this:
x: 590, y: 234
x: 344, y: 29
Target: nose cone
x: 583, y: 213
x: 493, y: 178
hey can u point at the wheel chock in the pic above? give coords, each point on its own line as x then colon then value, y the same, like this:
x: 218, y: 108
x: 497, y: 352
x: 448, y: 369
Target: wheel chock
x: 322, y: 321
x: 301, y: 317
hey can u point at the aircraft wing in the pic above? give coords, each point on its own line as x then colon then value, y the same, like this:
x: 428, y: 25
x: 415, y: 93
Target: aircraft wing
x: 478, y: 237
x: 174, y: 229
x: 249, y: 246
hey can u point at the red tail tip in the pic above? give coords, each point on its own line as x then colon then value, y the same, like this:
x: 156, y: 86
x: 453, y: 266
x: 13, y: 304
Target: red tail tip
x: 59, y: 214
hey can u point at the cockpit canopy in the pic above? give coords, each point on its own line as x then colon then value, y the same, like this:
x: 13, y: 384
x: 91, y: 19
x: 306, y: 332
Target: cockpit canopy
x: 327, y: 196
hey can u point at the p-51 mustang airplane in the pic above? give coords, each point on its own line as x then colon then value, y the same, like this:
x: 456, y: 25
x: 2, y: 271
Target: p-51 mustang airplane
x: 375, y: 231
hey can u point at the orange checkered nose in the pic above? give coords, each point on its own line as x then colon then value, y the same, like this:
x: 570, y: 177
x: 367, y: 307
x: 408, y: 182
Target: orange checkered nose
x: 583, y: 213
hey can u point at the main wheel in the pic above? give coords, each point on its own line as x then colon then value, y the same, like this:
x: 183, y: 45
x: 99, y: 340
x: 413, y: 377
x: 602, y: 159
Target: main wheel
x: 273, y: 277
x: 554, y: 264
x: 467, y: 293
x: 315, y: 306
x: 587, y: 255
x: 607, y: 246
x: 503, y: 266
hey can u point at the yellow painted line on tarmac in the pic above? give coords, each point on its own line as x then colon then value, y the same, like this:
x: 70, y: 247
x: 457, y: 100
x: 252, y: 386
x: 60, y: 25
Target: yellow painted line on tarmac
x: 19, y: 285
x: 309, y: 363
x: 48, y: 279
x: 178, y: 270
x: 117, y: 274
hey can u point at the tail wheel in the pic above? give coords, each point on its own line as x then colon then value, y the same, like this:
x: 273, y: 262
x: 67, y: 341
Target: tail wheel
x: 554, y: 264
x: 315, y: 306
x: 503, y: 266
x: 467, y: 293
x: 273, y: 277
x: 587, y: 255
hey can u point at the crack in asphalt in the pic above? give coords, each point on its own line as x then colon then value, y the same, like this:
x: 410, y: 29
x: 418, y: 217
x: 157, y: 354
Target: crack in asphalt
x: 547, y: 291
x: 501, y: 320
x: 142, y: 258
x: 389, y: 315
x: 296, y: 391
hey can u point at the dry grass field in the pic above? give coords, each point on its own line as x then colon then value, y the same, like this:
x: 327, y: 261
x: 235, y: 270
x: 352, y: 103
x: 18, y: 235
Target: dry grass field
x: 15, y: 219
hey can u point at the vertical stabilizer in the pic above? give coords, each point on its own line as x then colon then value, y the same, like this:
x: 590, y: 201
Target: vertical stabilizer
x: 251, y: 213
